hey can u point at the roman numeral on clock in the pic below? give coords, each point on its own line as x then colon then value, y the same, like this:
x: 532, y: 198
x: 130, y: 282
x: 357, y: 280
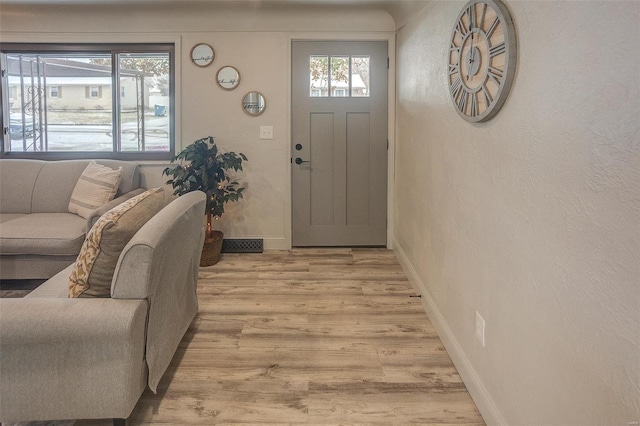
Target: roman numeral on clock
x: 474, y: 104
x: 493, y: 27
x: 471, y: 11
x: 498, y: 49
x: 453, y: 69
x: 495, y: 74
x: 461, y: 28
x: 456, y: 87
x: 487, y: 96
x: 482, y: 15
x: 462, y: 102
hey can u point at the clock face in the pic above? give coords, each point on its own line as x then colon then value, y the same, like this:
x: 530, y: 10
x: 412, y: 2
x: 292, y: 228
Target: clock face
x: 482, y: 59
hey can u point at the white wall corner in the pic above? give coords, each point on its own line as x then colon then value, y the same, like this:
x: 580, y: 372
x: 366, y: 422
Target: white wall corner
x: 487, y: 407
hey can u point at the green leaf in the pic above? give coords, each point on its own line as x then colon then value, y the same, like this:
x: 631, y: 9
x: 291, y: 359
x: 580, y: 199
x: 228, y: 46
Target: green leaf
x: 201, y: 166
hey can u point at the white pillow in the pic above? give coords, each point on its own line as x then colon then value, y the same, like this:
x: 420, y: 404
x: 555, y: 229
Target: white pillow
x: 96, y: 186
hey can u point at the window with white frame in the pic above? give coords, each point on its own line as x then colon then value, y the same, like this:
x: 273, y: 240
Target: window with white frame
x: 94, y: 92
x: 54, y: 91
x: 94, y: 119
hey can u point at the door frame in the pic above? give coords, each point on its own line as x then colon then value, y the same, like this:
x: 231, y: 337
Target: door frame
x: 390, y: 38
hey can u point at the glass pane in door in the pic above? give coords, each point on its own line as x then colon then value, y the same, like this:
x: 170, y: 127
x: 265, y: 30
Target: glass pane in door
x: 340, y: 76
x: 319, y: 76
x: 360, y: 76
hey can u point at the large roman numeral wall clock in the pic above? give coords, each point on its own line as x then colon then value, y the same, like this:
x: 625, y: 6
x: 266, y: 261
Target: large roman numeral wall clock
x: 482, y: 59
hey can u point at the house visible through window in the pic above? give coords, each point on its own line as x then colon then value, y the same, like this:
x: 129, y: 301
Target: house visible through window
x: 94, y: 117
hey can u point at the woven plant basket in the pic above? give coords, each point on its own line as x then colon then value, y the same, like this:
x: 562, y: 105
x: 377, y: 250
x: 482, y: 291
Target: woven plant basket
x: 211, y: 249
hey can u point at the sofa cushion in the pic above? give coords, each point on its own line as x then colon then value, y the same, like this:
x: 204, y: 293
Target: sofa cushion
x: 17, y: 180
x: 56, y: 180
x: 96, y: 186
x: 6, y: 217
x: 34, y: 234
x: 93, y: 271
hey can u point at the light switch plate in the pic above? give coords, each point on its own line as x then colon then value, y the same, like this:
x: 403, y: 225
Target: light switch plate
x: 266, y: 132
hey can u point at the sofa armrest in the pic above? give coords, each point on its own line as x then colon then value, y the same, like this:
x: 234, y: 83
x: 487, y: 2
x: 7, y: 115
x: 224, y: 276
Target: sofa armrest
x: 95, y: 215
x: 160, y: 264
x: 71, y: 358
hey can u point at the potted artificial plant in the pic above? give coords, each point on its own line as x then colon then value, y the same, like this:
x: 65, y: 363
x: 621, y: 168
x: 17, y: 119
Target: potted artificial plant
x: 201, y: 167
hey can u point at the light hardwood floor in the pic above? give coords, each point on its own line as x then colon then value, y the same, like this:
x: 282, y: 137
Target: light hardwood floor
x: 309, y: 336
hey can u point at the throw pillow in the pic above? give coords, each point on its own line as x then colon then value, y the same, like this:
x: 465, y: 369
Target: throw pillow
x: 96, y: 186
x: 94, y: 267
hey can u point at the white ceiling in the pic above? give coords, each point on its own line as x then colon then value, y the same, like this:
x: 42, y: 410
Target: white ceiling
x: 400, y: 10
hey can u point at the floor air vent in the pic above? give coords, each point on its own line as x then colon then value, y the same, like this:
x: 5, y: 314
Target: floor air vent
x: 242, y: 245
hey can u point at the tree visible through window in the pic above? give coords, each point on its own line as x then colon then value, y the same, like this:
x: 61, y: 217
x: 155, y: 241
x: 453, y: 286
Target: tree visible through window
x: 338, y: 76
x: 94, y: 115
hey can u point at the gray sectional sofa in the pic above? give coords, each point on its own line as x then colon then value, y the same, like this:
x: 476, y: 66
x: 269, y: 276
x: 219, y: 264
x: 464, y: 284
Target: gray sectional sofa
x: 38, y: 235
x: 92, y: 358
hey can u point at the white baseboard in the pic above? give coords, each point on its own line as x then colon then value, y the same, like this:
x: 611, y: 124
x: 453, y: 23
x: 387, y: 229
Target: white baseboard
x: 487, y: 407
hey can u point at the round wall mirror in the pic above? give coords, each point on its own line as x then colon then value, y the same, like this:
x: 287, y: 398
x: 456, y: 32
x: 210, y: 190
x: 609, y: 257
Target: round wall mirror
x: 202, y: 54
x: 254, y: 103
x: 228, y: 78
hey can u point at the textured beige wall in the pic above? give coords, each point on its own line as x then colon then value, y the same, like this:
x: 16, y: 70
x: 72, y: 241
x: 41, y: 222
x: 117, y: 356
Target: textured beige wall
x: 255, y: 38
x: 532, y: 219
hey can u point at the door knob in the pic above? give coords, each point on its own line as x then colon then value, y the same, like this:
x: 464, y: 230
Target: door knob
x: 300, y: 161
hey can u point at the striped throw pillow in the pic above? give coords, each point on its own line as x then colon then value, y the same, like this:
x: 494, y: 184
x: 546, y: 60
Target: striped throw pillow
x: 97, y: 185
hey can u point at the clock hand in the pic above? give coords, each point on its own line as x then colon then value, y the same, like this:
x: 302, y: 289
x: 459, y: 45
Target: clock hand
x: 471, y: 55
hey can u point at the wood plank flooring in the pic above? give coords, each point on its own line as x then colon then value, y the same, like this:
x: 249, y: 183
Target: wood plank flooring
x: 308, y: 336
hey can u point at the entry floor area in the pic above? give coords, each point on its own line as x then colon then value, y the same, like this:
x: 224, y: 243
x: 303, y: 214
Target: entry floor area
x: 308, y: 336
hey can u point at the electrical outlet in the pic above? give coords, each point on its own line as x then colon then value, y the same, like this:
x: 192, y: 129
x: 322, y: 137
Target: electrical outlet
x: 480, y: 328
x: 266, y: 132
